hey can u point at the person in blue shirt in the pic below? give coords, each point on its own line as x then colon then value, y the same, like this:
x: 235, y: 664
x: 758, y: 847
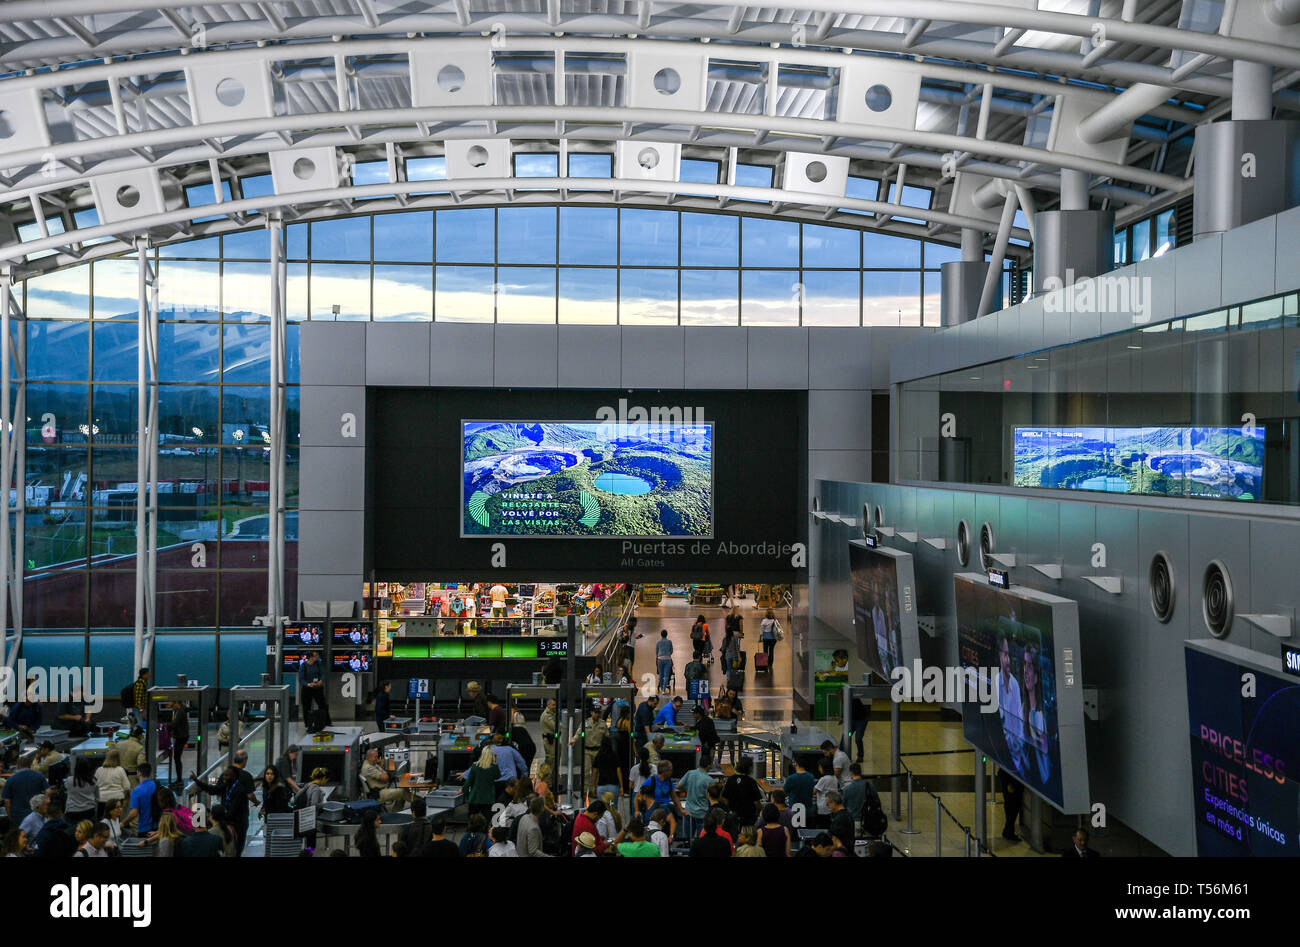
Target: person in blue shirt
x: 664, y: 659
x: 22, y: 785
x: 668, y: 713
x: 664, y: 787
x: 509, y: 760
x: 142, y: 800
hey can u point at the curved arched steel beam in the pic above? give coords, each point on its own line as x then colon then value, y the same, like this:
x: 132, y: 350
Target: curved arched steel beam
x: 251, y: 205
x: 816, y: 129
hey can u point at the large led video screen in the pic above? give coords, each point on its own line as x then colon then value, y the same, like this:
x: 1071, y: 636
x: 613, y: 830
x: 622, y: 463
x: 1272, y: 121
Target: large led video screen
x: 1023, y: 645
x: 1245, y: 733
x: 884, y: 611
x: 584, y: 478
x: 1214, y: 462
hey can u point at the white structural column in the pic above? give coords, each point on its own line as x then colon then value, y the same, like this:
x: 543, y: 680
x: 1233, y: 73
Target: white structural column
x: 994, y: 273
x: 275, y: 526
x: 13, y: 464
x: 146, y: 480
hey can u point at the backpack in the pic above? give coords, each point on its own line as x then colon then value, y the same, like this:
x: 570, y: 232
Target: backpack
x: 302, y: 798
x: 557, y: 835
x: 128, y: 696
x: 697, y: 631
x: 874, y: 820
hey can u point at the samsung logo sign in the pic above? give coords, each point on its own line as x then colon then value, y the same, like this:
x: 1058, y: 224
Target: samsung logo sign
x: 1291, y: 659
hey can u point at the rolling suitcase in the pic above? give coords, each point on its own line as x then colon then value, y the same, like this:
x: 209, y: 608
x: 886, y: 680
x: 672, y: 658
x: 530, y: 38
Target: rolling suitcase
x: 761, y: 663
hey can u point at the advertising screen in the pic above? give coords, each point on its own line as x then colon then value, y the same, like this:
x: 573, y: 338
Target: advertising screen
x: 1023, y: 645
x: 584, y: 478
x: 351, y: 661
x: 1214, y: 462
x: 884, y: 616
x: 1245, y: 734
x: 305, y: 634
x: 352, y: 634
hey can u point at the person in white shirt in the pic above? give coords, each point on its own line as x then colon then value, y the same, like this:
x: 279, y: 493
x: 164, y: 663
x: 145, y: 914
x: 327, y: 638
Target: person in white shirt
x: 840, y: 763
x: 498, y: 595
x: 502, y: 847
x: 655, y: 832
x: 826, y: 784
x: 1010, y: 709
x: 93, y: 847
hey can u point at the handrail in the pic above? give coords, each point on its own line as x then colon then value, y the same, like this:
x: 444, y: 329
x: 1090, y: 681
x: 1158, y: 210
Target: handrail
x: 222, y: 758
x: 940, y: 808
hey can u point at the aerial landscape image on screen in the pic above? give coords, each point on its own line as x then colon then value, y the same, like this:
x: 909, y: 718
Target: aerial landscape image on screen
x: 1214, y: 462
x: 584, y: 478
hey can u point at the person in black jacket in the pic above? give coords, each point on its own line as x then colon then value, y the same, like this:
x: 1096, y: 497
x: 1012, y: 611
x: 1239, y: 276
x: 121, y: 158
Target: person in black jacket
x: 275, y: 792
x: 707, y: 732
x: 57, y: 837
x: 367, y: 837
x: 311, y: 690
x: 1079, y: 846
x: 383, y: 703
x: 180, y: 734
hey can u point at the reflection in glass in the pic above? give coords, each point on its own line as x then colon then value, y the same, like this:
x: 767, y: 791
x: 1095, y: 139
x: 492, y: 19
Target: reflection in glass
x: 648, y: 297
x: 246, y: 291
x: 342, y: 285
x: 710, y: 240
x: 525, y: 294
x: 246, y: 353
x: 56, y: 414
x: 58, y: 351
x: 710, y: 298
x: 588, y: 296
x: 463, y: 294
x: 117, y: 284
x: 769, y: 297
x: 403, y: 292
x: 189, y: 351
x: 187, y: 289
x: 466, y: 236
x: 341, y: 238
x: 63, y: 294
x: 588, y: 234
x: 769, y: 242
x: 831, y: 298
x: 648, y: 237
x: 115, y: 413
x: 831, y: 246
x: 526, y: 235
x: 182, y: 408
x: 891, y: 299
x: 404, y: 238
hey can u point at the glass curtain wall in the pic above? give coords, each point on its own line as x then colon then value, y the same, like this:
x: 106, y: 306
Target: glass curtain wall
x: 572, y: 264
x: 1201, y: 406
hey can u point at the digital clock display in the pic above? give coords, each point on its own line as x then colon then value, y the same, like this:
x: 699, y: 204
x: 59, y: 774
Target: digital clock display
x: 558, y: 647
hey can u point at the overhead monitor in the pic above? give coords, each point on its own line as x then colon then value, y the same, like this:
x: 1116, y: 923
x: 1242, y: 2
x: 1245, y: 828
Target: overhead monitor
x: 305, y: 634
x: 358, y: 661
x: 356, y: 635
x: 1213, y: 462
x: 884, y: 607
x: 1023, y: 646
x: 1244, y: 721
x: 586, y: 479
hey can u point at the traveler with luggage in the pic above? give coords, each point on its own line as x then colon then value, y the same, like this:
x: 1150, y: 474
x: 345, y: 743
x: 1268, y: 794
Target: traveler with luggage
x: 769, y: 633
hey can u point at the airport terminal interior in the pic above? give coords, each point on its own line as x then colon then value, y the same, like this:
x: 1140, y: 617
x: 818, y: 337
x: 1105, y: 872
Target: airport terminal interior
x: 636, y: 428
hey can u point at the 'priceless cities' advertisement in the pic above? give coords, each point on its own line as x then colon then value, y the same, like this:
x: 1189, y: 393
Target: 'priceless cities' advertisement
x: 580, y: 478
x: 1245, y: 733
x: 1218, y: 462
